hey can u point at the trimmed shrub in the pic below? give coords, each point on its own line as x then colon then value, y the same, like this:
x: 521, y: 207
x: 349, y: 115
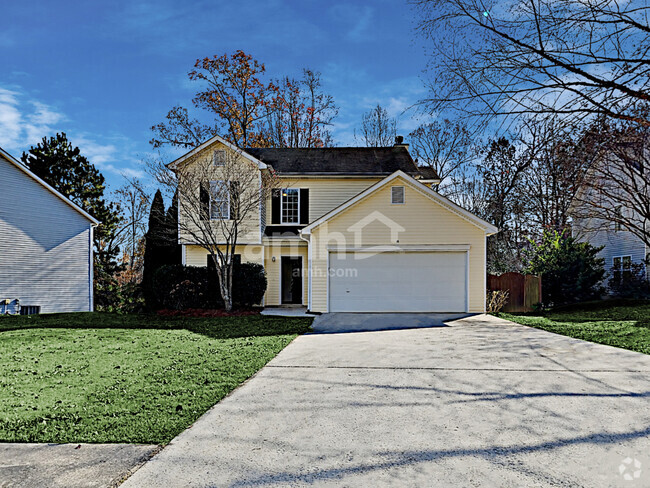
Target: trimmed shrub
x: 629, y: 283
x: 178, y: 287
x: 248, y: 284
x: 571, y: 271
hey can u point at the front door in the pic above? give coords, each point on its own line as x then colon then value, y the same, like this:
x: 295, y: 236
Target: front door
x: 291, y: 280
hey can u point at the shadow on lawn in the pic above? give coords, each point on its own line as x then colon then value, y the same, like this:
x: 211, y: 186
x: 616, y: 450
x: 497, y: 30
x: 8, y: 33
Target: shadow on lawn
x: 214, y: 327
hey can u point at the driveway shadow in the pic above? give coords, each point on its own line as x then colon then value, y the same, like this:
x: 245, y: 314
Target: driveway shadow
x: 336, y: 323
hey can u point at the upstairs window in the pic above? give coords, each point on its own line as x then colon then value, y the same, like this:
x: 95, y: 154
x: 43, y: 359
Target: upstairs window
x: 219, y: 157
x: 397, y: 194
x: 219, y: 200
x: 290, y: 206
x: 618, y: 215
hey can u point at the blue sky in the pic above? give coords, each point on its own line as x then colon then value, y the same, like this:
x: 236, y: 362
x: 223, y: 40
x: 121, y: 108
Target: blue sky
x: 104, y: 72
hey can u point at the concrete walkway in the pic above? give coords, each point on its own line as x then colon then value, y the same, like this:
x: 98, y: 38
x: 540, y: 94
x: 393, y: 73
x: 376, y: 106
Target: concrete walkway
x: 69, y: 465
x: 482, y: 402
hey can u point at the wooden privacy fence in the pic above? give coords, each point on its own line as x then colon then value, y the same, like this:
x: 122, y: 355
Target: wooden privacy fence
x: 524, y: 290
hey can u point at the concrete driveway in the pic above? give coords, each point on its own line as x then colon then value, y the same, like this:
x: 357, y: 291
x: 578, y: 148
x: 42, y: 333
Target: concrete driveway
x: 481, y: 402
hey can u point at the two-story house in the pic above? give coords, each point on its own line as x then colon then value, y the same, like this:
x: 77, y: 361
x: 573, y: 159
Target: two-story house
x: 46, y: 246
x: 353, y: 229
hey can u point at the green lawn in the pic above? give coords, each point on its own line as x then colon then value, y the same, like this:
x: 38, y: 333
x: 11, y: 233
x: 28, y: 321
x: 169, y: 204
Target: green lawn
x: 624, y: 324
x: 93, y: 377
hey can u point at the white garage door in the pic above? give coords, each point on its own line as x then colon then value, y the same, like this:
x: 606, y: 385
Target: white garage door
x: 398, y: 282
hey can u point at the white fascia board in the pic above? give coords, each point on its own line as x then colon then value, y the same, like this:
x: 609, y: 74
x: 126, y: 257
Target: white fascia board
x: 174, y: 164
x: 445, y: 202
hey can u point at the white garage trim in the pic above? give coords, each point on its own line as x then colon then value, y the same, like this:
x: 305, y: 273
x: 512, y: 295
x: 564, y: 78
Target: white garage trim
x: 402, y: 248
x: 455, y: 249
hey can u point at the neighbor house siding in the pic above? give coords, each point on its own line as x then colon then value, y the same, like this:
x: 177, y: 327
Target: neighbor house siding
x: 325, y: 194
x: 45, y: 246
x: 425, y: 221
x: 616, y: 243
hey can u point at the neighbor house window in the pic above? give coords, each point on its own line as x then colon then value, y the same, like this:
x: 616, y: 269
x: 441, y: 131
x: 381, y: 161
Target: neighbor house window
x: 219, y: 200
x: 621, y: 266
x: 219, y: 157
x: 619, y: 217
x: 290, y: 206
x: 397, y: 194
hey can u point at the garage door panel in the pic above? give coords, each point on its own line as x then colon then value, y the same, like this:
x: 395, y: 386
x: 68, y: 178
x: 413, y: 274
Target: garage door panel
x: 395, y: 282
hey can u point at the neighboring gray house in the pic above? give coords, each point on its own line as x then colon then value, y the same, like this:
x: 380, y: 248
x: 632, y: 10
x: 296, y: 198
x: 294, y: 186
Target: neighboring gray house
x: 621, y: 247
x: 46, y: 246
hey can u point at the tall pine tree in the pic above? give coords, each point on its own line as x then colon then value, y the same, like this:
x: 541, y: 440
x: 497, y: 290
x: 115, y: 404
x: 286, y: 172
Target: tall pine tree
x: 161, y: 244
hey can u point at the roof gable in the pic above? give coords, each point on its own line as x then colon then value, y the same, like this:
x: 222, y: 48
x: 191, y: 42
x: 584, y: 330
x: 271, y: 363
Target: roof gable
x: 174, y: 164
x: 433, y: 195
x: 5, y: 156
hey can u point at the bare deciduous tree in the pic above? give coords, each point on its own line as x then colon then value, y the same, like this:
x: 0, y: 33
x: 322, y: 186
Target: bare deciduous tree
x: 445, y: 147
x: 378, y: 129
x: 300, y: 113
x: 219, y: 200
x: 134, y: 207
x: 247, y: 110
x: 575, y: 58
x: 615, y: 194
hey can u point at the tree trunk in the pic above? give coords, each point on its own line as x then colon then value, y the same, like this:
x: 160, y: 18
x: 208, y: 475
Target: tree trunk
x: 225, y: 286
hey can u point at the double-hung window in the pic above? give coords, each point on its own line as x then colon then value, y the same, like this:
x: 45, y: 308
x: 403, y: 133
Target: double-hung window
x: 622, y: 266
x: 290, y: 206
x: 219, y: 200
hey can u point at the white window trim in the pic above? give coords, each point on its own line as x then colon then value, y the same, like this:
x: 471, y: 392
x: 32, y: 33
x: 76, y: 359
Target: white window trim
x: 621, y: 258
x: 215, y: 161
x: 403, y: 195
x: 212, y: 199
x: 282, y: 222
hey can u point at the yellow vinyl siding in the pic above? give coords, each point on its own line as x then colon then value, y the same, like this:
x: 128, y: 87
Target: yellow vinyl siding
x: 425, y: 222
x: 198, y: 256
x: 325, y: 194
x: 272, y: 297
x: 249, y: 228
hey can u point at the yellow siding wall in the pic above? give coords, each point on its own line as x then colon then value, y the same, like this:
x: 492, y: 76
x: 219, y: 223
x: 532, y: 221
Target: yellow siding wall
x: 425, y: 222
x: 272, y: 297
x: 249, y: 228
x: 197, y: 256
x: 325, y: 194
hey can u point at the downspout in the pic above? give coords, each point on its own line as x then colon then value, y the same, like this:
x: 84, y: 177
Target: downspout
x: 308, y: 240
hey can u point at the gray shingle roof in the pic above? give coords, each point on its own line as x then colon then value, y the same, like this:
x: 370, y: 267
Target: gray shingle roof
x: 337, y: 160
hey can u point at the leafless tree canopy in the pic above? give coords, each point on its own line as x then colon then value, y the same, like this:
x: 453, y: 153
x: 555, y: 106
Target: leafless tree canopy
x: 615, y: 195
x: 575, y: 58
x: 445, y: 146
x: 378, y: 129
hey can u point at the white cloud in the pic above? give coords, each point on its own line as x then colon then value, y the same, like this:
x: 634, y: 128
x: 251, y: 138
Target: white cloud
x: 24, y: 121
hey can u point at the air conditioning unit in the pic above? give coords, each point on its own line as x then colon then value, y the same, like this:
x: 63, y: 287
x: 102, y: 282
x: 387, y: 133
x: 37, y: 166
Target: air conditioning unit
x: 9, y: 306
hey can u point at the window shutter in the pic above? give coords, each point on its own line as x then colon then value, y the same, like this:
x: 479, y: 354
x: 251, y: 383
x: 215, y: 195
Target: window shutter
x: 276, y: 202
x: 304, y: 206
x: 234, y: 199
x: 204, y: 197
